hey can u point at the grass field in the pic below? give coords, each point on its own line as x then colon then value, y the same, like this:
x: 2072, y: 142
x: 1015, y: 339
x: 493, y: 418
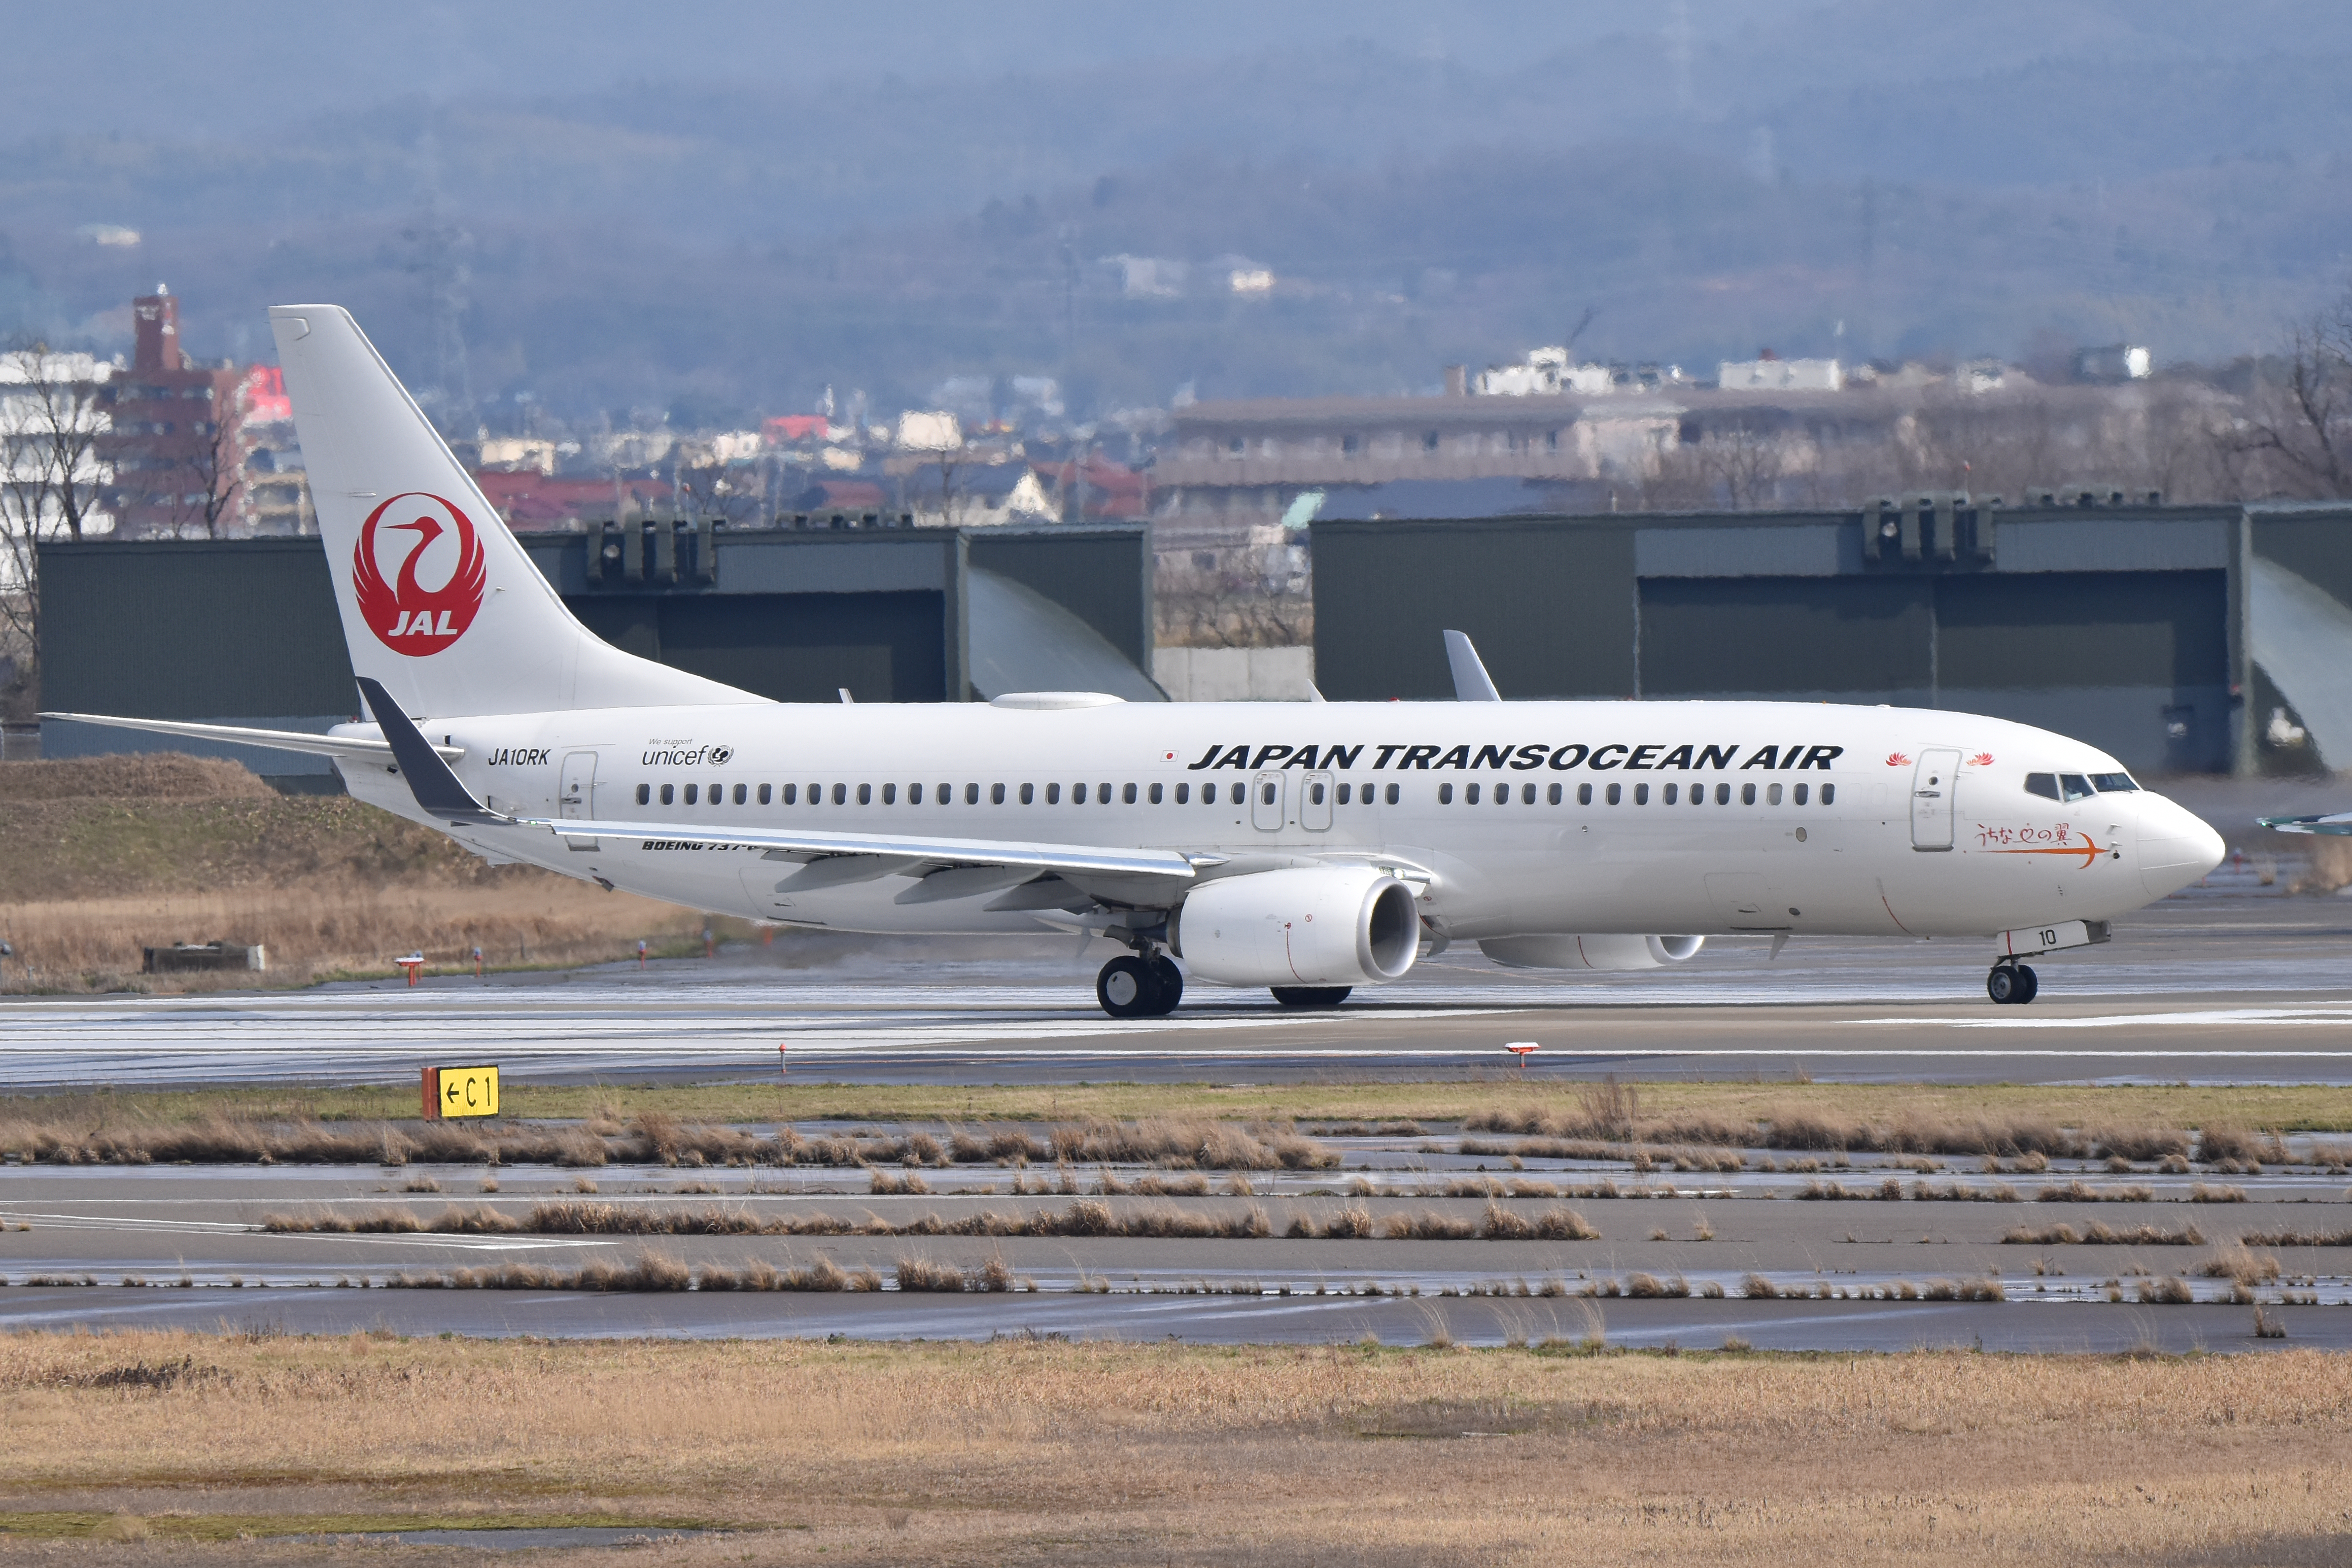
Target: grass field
x: 2284, y: 1108
x: 1032, y: 1452
x: 109, y: 855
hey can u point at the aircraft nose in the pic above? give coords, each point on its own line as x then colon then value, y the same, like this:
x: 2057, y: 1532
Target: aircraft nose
x: 2176, y: 847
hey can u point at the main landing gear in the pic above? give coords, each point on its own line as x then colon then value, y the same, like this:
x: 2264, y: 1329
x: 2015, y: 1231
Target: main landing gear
x: 1144, y: 985
x: 2011, y: 983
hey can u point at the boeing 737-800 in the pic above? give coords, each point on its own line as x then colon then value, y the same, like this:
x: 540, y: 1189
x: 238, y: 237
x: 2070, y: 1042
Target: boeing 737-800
x: 1307, y: 847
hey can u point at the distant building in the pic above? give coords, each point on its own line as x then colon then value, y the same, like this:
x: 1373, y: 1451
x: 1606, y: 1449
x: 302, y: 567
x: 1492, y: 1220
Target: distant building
x: 1769, y: 373
x: 175, y: 441
x: 1545, y: 372
x: 53, y: 425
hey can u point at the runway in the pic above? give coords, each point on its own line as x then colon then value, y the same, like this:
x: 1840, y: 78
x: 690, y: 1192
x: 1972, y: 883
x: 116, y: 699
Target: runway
x: 2195, y: 989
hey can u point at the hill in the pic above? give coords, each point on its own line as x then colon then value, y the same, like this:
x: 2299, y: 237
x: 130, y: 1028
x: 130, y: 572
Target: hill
x: 109, y: 855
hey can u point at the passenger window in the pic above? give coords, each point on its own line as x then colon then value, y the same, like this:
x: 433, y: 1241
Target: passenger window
x: 1345, y: 790
x: 2077, y: 786
x: 739, y: 794
x: 2112, y: 783
x: 1799, y: 793
x: 971, y: 795
x: 1555, y: 795
x: 791, y: 794
x: 1127, y: 794
x: 1642, y: 794
x: 1184, y: 794
x: 1393, y: 793
x: 1102, y: 794
x: 841, y: 794
x: 914, y: 794
x: 816, y: 794
x: 1772, y: 794
x: 1616, y: 793
x: 1209, y: 794
x: 946, y: 794
x: 1527, y: 794
x: 1584, y: 794
x: 645, y: 794
x: 765, y: 795
x: 691, y: 791
x: 1313, y: 793
x: 996, y: 794
x: 889, y: 794
x: 1445, y: 794
x: 1723, y: 794
x: 2042, y: 784
x: 1669, y: 796
x: 1748, y: 794
x: 1829, y: 794
x: 1267, y: 794
x: 1052, y: 794
x: 1028, y: 794
x: 669, y: 793
x: 1502, y: 794
x: 1155, y: 794
x: 1470, y: 795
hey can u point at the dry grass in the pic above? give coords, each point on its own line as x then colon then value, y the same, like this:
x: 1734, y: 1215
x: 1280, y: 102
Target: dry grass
x: 2099, y: 1233
x: 1025, y: 1452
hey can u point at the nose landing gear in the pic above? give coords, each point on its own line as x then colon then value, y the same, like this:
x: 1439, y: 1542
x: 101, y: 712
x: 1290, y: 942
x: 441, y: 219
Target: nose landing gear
x: 2011, y: 983
x: 1139, y: 986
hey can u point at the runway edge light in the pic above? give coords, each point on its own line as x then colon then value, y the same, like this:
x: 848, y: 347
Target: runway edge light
x: 455, y: 1092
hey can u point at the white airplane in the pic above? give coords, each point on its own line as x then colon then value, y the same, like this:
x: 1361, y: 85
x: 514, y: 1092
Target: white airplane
x: 1307, y: 847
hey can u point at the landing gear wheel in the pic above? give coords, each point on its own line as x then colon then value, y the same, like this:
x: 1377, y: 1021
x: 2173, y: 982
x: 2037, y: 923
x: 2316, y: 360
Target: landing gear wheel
x: 1127, y: 987
x: 1310, y: 995
x: 1170, y: 980
x: 2011, y: 984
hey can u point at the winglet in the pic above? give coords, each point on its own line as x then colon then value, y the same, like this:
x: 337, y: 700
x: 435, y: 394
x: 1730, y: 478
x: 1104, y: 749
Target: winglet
x: 437, y: 789
x: 1471, y: 682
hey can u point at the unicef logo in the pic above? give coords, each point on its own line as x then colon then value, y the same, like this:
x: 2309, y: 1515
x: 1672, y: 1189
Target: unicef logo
x: 719, y: 754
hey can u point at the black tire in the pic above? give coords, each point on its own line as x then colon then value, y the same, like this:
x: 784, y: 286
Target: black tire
x: 1170, y: 981
x: 2032, y: 985
x: 1127, y: 988
x: 2003, y: 985
x: 1310, y: 995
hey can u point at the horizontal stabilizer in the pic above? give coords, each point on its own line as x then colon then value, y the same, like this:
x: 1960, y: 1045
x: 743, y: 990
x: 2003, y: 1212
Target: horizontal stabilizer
x: 276, y: 739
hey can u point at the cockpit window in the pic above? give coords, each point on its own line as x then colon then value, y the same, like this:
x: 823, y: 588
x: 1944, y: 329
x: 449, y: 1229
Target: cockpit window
x: 2077, y: 786
x: 2112, y: 783
x: 2042, y: 784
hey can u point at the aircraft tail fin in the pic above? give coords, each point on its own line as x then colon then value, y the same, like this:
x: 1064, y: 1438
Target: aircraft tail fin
x: 440, y: 602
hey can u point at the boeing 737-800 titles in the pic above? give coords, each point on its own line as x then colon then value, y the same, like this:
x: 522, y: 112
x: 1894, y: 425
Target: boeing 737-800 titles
x: 1307, y: 847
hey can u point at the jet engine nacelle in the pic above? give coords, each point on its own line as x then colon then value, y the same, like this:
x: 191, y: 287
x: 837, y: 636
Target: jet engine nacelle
x: 1589, y: 952
x: 1310, y: 925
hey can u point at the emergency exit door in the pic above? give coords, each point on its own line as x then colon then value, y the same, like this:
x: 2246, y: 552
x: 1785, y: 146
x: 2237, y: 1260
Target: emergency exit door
x: 1931, y: 799
x: 1266, y: 803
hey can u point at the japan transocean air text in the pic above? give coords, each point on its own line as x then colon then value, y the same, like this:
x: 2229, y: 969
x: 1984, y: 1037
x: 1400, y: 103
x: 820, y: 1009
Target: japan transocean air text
x: 1689, y: 757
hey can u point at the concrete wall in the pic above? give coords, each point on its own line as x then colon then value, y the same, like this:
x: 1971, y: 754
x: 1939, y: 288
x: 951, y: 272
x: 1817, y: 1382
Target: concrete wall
x: 1234, y: 675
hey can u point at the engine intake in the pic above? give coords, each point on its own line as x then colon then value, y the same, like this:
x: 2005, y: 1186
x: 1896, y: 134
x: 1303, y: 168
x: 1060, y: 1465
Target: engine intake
x: 1310, y: 925
x: 1589, y: 952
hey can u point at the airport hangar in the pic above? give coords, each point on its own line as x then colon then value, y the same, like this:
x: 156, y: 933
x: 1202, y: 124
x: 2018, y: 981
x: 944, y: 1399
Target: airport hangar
x: 2179, y: 639
x: 245, y: 632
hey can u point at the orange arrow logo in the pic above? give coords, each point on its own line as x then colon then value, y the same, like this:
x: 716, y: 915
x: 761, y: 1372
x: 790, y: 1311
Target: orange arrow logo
x: 2089, y: 849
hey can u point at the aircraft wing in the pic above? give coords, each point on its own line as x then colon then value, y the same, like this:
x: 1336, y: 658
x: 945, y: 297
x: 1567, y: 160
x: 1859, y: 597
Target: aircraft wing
x: 276, y: 739
x: 2341, y: 822
x: 911, y: 848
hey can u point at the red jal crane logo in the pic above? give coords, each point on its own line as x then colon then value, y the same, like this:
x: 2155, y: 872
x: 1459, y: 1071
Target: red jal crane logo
x: 406, y: 616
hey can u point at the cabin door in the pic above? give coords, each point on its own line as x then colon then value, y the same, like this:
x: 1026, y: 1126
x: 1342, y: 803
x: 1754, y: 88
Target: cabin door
x: 1931, y: 799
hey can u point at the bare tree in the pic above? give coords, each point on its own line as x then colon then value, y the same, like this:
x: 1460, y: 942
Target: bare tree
x: 51, y: 472
x: 212, y: 474
x: 2301, y: 427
